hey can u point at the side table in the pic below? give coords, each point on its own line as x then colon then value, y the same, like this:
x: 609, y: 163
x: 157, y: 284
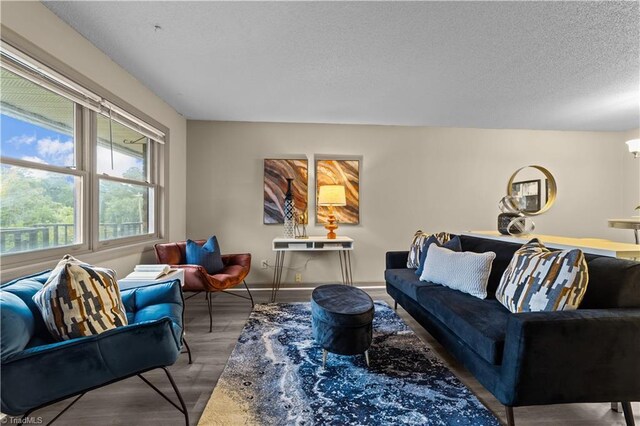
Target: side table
x: 126, y: 284
x: 342, y: 245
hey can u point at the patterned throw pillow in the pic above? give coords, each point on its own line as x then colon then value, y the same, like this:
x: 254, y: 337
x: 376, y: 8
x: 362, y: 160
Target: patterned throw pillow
x: 419, y: 238
x: 80, y: 300
x: 538, y: 279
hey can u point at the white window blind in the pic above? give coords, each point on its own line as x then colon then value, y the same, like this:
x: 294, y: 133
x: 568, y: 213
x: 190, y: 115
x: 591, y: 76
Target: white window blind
x: 24, y: 66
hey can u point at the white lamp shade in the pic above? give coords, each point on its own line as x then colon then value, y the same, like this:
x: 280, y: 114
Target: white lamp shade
x: 634, y: 145
x: 332, y: 195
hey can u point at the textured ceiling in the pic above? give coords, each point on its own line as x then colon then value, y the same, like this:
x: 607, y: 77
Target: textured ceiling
x: 536, y: 65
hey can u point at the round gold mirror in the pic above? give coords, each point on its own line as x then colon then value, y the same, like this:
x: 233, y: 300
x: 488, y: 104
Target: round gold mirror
x: 534, y: 187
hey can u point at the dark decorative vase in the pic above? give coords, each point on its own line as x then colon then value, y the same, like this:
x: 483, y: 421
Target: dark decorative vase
x: 504, y: 219
x: 289, y: 212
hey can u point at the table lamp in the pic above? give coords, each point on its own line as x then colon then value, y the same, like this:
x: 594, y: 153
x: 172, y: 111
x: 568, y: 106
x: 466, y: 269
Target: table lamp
x: 330, y: 196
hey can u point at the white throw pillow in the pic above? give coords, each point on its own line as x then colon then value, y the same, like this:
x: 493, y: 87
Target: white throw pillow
x: 466, y: 271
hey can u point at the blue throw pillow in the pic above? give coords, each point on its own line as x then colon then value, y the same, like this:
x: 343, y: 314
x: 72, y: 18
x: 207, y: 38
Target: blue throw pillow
x: 453, y: 244
x: 208, y: 256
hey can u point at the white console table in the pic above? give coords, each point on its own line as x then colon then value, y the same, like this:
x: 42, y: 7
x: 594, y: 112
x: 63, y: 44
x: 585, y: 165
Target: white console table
x: 341, y: 245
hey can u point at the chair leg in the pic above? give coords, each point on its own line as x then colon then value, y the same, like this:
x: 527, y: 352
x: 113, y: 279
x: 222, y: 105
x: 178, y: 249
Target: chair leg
x: 25, y: 417
x: 628, y: 413
x: 395, y: 306
x: 186, y: 345
x: 177, y: 391
x: 510, y: 419
x: 210, y: 315
x: 183, y: 406
x: 248, y: 291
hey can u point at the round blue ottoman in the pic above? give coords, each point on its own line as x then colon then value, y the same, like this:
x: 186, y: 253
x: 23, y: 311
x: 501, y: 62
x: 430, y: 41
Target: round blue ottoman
x: 342, y: 319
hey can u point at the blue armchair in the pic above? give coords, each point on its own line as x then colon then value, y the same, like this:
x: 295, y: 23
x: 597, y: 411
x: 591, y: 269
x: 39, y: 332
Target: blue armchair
x: 37, y: 371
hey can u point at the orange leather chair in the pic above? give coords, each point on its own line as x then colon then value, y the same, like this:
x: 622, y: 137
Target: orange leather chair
x: 196, y: 279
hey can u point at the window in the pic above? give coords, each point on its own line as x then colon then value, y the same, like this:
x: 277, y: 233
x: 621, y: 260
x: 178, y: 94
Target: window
x: 125, y: 192
x: 41, y: 191
x: 76, y: 171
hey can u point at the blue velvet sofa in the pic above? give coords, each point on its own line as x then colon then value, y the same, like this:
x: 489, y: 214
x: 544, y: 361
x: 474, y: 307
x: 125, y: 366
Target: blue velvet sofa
x: 37, y: 371
x: 588, y: 355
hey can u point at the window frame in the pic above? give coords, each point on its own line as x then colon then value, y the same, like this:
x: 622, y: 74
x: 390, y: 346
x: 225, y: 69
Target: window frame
x: 78, y: 171
x: 85, y: 138
x: 95, y: 186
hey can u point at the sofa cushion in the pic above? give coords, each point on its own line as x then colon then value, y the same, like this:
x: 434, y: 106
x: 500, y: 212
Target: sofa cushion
x: 80, y: 300
x: 406, y: 281
x: 504, y: 253
x: 539, y: 279
x: 480, y: 324
x: 613, y: 283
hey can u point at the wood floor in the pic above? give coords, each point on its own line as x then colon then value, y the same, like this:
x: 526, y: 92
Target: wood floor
x: 131, y: 402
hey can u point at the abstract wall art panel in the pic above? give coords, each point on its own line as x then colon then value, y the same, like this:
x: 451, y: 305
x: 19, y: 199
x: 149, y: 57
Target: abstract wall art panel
x: 276, y: 172
x: 340, y: 172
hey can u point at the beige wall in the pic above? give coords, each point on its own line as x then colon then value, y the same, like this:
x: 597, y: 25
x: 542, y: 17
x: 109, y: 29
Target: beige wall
x: 412, y: 177
x: 631, y: 179
x: 38, y: 25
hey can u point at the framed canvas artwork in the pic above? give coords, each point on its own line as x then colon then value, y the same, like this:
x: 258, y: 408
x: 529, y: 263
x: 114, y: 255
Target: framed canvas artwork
x: 339, y: 172
x: 276, y: 172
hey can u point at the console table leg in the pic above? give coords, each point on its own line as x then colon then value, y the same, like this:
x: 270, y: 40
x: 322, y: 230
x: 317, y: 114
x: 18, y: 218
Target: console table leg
x: 342, y: 268
x: 366, y: 356
x: 280, y: 267
x: 348, y: 256
x: 277, y: 275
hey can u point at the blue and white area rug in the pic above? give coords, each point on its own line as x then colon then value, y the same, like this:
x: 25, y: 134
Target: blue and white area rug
x: 275, y: 377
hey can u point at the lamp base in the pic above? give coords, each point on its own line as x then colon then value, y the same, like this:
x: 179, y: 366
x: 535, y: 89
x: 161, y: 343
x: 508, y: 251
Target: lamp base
x: 331, y: 226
